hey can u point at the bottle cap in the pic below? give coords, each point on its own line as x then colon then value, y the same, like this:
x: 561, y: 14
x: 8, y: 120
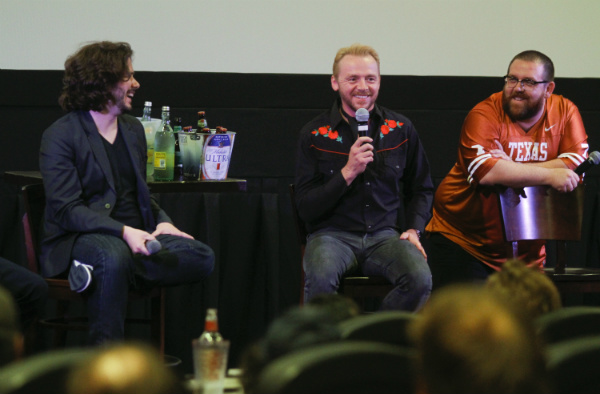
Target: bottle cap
x: 148, y: 104
x: 166, y: 108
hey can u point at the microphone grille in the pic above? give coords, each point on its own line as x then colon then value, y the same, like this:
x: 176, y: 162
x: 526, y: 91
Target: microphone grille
x: 362, y: 115
x: 595, y: 157
x: 153, y: 246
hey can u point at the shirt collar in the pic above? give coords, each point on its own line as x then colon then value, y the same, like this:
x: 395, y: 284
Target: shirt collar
x: 375, y: 115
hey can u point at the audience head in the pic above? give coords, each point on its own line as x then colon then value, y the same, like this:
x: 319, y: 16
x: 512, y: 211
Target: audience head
x: 124, y: 368
x: 469, y: 340
x: 528, y: 287
x: 92, y: 74
x: 296, y: 329
x: 338, y: 306
x: 11, y: 338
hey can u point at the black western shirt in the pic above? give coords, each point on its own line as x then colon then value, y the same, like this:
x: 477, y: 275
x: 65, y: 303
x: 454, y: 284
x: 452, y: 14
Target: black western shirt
x: 395, y: 191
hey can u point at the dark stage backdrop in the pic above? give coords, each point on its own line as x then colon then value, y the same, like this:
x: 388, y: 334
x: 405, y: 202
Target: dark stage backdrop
x: 252, y: 233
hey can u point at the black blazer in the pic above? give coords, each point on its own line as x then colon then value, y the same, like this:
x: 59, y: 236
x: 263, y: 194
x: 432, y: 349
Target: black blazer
x: 79, y: 185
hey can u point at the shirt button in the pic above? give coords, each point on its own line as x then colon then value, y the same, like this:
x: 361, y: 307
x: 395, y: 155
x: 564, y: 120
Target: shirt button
x: 367, y: 205
x: 369, y: 227
x: 331, y: 171
x: 368, y: 183
x: 107, y: 206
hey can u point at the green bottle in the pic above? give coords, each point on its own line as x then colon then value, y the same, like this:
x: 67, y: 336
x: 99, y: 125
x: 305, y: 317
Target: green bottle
x: 164, y: 149
x: 178, y: 171
x: 146, y: 119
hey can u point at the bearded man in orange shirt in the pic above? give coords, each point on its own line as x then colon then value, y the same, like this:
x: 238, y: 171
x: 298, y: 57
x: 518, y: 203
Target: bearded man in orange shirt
x: 522, y: 136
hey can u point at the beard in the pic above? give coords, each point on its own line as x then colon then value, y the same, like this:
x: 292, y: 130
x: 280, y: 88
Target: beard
x: 120, y: 97
x: 528, y: 110
x: 349, y: 101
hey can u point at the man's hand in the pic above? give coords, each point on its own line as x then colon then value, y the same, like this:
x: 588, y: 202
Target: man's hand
x: 361, y: 154
x: 412, y: 236
x: 563, y: 180
x: 136, y: 239
x: 168, y: 228
x: 498, y: 152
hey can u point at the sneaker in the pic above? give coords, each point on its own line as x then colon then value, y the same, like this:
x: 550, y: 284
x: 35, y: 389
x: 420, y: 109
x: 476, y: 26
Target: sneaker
x: 80, y: 276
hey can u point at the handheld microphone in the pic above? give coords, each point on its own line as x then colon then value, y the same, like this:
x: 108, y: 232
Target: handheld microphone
x: 593, y: 159
x: 153, y: 246
x: 362, y: 118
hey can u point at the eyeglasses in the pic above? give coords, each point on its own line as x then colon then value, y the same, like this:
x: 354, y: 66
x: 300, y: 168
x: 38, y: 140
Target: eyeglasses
x: 511, y: 82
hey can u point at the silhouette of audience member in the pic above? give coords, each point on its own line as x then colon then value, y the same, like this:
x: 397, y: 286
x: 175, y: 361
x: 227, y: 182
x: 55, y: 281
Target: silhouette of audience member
x: 296, y: 329
x: 11, y: 338
x: 471, y: 341
x: 338, y: 306
x: 525, y: 286
x: 29, y: 291
x: 124, y: 368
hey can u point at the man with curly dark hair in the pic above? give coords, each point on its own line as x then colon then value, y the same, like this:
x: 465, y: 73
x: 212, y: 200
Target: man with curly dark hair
x: 99, y: 211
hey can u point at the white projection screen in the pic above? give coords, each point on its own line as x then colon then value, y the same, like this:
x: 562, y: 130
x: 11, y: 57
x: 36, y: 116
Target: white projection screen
x: 413, y: 37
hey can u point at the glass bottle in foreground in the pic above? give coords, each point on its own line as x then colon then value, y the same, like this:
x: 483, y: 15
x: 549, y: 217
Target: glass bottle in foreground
x: 211, y: 328
x: 210, y: 357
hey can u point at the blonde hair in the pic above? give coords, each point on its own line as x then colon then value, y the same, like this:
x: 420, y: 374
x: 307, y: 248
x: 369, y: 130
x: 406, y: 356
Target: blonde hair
x: 356, y: 50
x: 525, y: 286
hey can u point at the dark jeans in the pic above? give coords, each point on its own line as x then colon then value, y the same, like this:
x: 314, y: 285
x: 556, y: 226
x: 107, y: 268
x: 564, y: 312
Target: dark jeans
x: 29, y: 290
x: 332, y: 253
x: 449, y: 263
x: 116, y: 270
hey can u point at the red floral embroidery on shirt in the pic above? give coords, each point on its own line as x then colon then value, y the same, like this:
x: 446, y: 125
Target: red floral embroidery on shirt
x: 326, y: 131
x: 390, y: 125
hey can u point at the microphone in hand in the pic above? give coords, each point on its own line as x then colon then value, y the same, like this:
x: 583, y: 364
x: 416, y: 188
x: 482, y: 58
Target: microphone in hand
x: 592, y: 160
x: 153, y: 246
x: 362, y: 118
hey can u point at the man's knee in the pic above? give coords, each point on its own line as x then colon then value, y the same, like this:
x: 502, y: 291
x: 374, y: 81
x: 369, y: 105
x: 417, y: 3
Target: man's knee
x: 202, y: 255
x: 207, y: 260
x: 414, y: 275
x: 320, y: 278
x: 421, y: 280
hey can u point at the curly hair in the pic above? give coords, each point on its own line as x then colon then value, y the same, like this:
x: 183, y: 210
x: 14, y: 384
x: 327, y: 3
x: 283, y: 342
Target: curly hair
x: 92, y: 73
